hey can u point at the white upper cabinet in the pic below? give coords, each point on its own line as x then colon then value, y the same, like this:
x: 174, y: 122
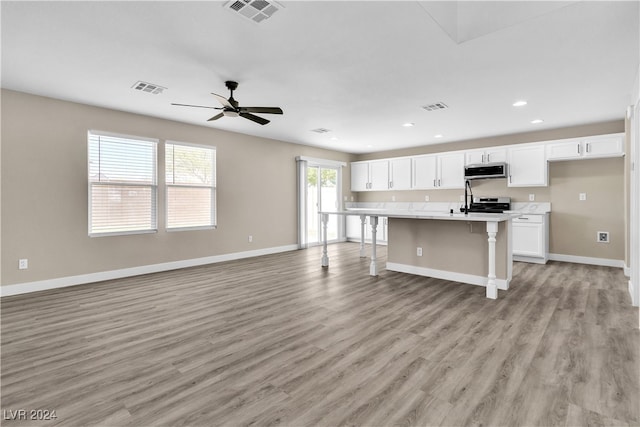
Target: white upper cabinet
x: 438, y: 171
x: 370, y: 176
x: 490, y: 155
x: 451, y: 170
x: 379, y: 175
x: 359, y: 176
x: 584, y: 148
x: 400, y: 171
x: 604, y: 146
x: 425, y: 172
x: 527, y: 166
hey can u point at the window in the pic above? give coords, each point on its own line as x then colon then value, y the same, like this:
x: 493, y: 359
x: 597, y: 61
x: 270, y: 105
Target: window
x: 191, y: 186
x: 122, y: 185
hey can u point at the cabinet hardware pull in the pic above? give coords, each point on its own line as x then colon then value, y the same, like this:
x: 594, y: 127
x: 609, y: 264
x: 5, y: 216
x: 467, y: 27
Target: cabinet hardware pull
x: 523, y: 217
x: 488, y: 157
x: 587, y: 147
x: 578, y: 148
x: 483, y: 158
x: 509, y: 179
x: 434, y: 182
x: 439, y: 183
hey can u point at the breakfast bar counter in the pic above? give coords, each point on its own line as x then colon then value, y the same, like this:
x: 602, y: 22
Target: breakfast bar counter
x: 472, y: 248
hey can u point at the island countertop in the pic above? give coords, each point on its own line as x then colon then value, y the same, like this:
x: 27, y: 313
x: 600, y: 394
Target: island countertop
x: 415, y: 214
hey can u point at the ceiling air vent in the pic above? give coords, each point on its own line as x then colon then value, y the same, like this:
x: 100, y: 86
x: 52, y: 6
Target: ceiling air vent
x: 435, y: 106
x: 320, y: 130
x: 148, y: 87
x: 254, y: 10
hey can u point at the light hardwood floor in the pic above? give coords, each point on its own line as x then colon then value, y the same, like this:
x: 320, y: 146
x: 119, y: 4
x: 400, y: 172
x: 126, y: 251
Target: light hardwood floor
x: 278, y: 340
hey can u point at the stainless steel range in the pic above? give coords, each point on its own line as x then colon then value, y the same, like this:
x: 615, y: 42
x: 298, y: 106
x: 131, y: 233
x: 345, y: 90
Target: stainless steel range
x: 490, y: 204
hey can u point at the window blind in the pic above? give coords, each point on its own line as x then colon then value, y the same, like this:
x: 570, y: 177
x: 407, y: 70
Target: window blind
x: 190, y: 173
x: 122, y: 185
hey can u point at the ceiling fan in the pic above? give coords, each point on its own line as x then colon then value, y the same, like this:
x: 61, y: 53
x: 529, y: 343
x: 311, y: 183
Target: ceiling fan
x: 230, y: 107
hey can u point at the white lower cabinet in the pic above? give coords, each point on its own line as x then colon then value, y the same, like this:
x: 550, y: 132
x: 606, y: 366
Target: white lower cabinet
x: 353, y: 229
x: 531, y: 238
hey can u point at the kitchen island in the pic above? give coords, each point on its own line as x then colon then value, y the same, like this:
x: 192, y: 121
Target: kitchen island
x: 474, y: 248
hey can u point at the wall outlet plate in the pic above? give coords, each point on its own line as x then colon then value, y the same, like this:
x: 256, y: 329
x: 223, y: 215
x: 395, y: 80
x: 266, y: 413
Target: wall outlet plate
x: 582, y: 196
x: 532, y: 197
x: 426, y: 198
x: 419, y: 251
x: 603, y: 237
x: 23, y: 264
x: 250, y: 239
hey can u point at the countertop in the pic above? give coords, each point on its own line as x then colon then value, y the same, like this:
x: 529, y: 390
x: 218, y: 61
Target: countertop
x: 439, y: 215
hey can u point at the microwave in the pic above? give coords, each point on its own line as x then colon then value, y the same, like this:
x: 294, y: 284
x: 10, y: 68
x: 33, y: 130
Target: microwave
x: 485, y: 171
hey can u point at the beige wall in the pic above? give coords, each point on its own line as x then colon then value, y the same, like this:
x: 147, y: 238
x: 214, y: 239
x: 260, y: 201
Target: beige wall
x: 455, y: 246
x: 44, y: 191
x: 573, y: 224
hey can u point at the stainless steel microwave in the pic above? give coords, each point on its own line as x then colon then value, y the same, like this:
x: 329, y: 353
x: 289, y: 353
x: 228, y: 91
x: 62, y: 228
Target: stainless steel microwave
x: 485, y: 171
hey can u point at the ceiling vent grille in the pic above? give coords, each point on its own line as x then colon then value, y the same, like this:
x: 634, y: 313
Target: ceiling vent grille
x: 148, y: 87
x: 435, y: 106
x: 320, y: 130
x: 254, y: 10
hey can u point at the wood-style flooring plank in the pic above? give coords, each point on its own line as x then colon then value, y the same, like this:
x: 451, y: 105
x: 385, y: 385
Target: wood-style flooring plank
x: 279, y: 340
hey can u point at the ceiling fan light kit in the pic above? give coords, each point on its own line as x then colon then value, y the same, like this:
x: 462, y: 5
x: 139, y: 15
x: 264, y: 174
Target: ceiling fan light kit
x: 231, y: 108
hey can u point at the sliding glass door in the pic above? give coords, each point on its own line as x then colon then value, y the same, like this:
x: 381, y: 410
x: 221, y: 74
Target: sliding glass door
x: 322, y: 195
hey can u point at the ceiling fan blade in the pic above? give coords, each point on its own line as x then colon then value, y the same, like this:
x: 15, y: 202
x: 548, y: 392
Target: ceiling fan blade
x: 224, y: 101
x: 199, y: 106
x: 216, y: 117
x: 256, y: 119
x: 266, y: 110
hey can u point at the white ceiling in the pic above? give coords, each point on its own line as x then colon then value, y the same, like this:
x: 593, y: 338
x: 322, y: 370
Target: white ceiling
x: 360, y: 69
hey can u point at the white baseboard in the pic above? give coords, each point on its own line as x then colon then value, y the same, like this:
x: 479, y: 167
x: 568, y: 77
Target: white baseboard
x: 446, y: 275
x: 634, y: 301
x: 605, y: 262
x: 62, y: 282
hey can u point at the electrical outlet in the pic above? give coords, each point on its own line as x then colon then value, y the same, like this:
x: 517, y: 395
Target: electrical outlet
x: 23, y: 264
x: 462, y: 197
x: 532, y: 197
x: 345, y: 198
x: 603, y: 237
x: 250, y: 239
x: 419, y: 251
x: 393, y: 198
x: 352, y: 198
x: 583, y: 196
x: 426, y: 198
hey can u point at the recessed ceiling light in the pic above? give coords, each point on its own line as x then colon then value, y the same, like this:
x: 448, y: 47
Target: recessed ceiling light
x: 536, y: 121
x: 520, y: 103
x: 408, y: 125
x: 438, y: 135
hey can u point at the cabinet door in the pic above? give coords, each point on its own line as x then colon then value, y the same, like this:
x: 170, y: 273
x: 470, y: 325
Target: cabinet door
x: 451, y: 171
x: 564, y: 150
x: 474, y: 157
x: 603, y: 147
x: 527, y: 166
x: 528, y: 240
x: 379, y: 175
x: 359, y: 176
x: 424, y: 172
x: 495, y: 155
x: 400, y: 174
x: 353, y: 227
